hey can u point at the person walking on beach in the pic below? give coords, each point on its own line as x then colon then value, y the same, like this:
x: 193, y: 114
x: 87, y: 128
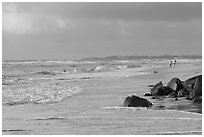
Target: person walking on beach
x: 175, y: 62
x: 170, y: 63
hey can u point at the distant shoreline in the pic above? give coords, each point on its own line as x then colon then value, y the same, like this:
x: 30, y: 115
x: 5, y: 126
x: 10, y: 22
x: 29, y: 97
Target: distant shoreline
x: 146, y: 57
x: 113, y: 58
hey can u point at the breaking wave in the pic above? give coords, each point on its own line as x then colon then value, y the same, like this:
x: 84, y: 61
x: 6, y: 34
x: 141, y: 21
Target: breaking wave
x: 38, y: 95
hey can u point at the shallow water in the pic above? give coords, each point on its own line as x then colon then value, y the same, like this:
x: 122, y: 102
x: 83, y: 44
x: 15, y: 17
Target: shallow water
x: 67, y: 97
x: 53, y: 81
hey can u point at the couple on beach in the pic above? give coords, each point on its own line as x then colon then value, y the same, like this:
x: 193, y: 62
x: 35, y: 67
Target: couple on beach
x: 171, y: 62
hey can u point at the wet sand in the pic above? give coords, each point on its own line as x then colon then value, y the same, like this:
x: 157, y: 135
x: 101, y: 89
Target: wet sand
x: 98, y: 110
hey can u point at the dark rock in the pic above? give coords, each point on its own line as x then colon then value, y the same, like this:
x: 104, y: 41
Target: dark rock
x: 175, y: 85
x: 155, y: 72
x: 191, y: 85
x: 64, y: 70
x: 127, y: 102
x: 160, y: 91
x: 191, y: 81
x: 198, y: 86
x: 135, y: 101
x: 181, y: 93
x: 167, y: 91
x: 197, y: 89
x: 157, y: 89
x: 186, y: 87
x: 147, y: 94
x: 172, y: 95
x: 197, y: 100
x: 176, y: 99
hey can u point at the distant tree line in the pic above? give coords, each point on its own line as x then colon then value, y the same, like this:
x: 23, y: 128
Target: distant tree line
x: 145, y: 57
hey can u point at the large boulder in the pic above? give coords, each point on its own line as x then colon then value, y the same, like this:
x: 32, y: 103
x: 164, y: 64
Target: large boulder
x: 197, y: 89
x: 175, y: 85
x: 186, y: 87
x: 159, y: 90
x: 135, y: 101
x: 191, y: 82
x: 198, y: 100
x: 127, y: 102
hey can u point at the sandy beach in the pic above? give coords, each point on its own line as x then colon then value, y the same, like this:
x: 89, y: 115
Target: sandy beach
x: 99, y: 108
x: 102, y: 68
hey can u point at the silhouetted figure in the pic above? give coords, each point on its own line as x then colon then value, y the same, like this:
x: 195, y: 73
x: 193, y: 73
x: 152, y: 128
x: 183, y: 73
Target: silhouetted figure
x: 175, y: 62
x: 170, y: 63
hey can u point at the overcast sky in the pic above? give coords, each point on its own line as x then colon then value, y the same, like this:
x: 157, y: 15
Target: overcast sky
x: 78, y: 30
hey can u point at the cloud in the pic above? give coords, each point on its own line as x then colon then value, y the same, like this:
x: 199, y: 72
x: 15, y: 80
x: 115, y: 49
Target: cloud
x: 128, y: 11
x: 161, y: 30
x: 22, y: 18
x: 142, y: 11
x: 21, y: 22
x: 99, y: 29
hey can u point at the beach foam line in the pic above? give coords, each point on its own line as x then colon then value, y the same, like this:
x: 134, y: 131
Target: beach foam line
x: 143, y: 108
x: 50, y: 118
x: 180, y: 133
x: 127, y: 108
x: 62, y: 118
x: 126, y: 118
x: 184, y: 112
x: 168, y: 118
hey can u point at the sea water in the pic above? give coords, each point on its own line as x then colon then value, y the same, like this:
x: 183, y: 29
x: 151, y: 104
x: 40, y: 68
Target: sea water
x: 53, y: 81
x: 85, y: 97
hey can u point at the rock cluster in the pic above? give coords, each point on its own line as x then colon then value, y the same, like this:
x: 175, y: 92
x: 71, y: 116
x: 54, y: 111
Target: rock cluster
x: 191, y: 89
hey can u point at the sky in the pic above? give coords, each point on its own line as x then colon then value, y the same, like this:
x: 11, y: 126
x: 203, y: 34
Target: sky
x: 71, y: 30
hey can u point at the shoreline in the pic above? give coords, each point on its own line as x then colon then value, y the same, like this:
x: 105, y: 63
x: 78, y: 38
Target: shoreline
x: 88, y: 112
x: 175, y: 72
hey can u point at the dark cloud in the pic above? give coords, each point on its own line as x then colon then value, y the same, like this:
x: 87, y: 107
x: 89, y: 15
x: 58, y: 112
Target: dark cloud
x: 77, y: 30
x: 164, y: 11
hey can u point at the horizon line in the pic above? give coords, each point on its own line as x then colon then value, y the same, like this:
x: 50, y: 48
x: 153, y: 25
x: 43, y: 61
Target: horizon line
x: 108, y: 57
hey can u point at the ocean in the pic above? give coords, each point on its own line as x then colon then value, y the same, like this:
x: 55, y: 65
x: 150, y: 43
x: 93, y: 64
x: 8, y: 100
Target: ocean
x: 86, y: 97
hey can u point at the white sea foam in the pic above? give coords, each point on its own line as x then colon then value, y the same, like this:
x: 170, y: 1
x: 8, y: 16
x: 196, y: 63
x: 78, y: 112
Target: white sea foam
x: 125, y: 118
x: 180, y: 133
x: 122, y: 61
x: 120, y: 108
x: 62, y: 61
x: 39, y: 94
x: 184, y: 111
